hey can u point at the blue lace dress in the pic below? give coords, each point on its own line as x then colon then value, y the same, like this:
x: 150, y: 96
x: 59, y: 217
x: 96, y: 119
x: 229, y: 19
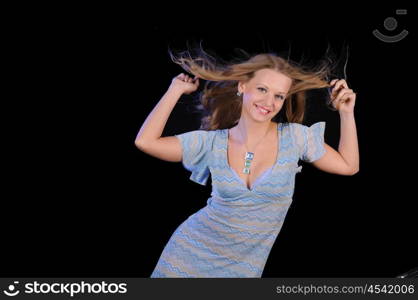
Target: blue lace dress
x: 233, y: 234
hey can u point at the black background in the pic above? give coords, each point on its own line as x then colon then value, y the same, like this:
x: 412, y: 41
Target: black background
x: 80, y: 200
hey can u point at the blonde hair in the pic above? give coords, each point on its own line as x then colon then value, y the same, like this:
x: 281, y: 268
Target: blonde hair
x: 219, y: 101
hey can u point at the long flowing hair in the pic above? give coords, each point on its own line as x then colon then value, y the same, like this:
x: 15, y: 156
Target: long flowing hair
x: 219, y: 103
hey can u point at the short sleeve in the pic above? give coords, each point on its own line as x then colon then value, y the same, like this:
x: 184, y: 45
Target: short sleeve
x: 309, y: 140
x: 196, y: 147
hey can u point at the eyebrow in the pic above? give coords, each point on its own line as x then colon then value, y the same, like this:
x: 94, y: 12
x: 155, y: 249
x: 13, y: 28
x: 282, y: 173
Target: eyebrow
x: 268, y: 86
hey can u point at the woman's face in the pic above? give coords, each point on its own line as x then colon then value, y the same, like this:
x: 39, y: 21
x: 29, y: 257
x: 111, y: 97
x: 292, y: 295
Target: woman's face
x: 266, y: 90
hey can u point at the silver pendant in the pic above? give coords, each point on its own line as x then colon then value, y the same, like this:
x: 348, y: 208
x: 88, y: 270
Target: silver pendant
x: 249, y: 155
x: 247, y: 162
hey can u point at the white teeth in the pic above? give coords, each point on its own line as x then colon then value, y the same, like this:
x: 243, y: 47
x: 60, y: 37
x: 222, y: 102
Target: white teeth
x: 262, y: 110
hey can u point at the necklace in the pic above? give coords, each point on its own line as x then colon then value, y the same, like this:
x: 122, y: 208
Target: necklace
x: 249, y: 156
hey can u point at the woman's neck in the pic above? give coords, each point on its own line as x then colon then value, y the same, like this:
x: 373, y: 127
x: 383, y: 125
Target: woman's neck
x: 250, y: 133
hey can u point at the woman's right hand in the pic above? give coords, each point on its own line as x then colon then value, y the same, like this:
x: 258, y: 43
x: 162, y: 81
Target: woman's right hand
x: 184, y: 83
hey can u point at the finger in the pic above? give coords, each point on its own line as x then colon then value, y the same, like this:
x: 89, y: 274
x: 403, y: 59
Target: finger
x: 333, y: 81
x: 345, y: 84
x: 341, y: 83
x: 336, y: 93
x: 348, y: 97
x: 338, y: 102
x: 336, y: 89
x: 345, y: 99
x: 336, y: 96
x: 341, y: 92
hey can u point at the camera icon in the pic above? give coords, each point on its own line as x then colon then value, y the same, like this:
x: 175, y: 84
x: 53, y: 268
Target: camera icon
x: 390, y: 24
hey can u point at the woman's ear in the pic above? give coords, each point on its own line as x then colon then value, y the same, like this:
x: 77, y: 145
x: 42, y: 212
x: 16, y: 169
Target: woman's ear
x: 241, y: 87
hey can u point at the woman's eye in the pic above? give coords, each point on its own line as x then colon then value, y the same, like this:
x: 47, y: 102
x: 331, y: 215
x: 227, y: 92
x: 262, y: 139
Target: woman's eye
x: 263, y: 89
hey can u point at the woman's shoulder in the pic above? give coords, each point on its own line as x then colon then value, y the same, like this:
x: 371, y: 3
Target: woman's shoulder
x: 300, y: 131
x: 294, y: 125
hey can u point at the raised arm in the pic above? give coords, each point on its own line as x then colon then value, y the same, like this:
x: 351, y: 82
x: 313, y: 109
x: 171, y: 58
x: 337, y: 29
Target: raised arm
x: 345, y: 161
x: 149, y: 138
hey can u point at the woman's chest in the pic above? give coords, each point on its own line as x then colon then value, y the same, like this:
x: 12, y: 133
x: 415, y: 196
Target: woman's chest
x: 249, y: 167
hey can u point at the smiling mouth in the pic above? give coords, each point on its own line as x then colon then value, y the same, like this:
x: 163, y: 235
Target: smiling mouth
x: 261, y: 110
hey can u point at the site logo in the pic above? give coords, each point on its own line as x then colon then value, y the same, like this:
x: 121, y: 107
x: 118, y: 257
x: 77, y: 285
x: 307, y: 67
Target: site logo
x: 69, y: 288
x: 390, y: 24
x: 11, y: 290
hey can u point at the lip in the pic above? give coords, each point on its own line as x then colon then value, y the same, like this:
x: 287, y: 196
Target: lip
x: 268, y: 111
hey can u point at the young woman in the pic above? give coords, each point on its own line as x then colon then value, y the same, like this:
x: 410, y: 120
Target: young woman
x: 251, y: 157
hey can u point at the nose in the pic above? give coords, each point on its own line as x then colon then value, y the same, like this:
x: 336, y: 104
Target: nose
x: 269, y: 103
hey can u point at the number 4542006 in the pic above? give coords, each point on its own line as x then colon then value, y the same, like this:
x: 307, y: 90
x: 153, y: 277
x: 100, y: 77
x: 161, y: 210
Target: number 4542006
x: 391, y: 289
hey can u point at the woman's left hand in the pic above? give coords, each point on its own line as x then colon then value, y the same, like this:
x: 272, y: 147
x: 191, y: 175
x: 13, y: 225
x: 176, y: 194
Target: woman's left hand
x: 343, y: 98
